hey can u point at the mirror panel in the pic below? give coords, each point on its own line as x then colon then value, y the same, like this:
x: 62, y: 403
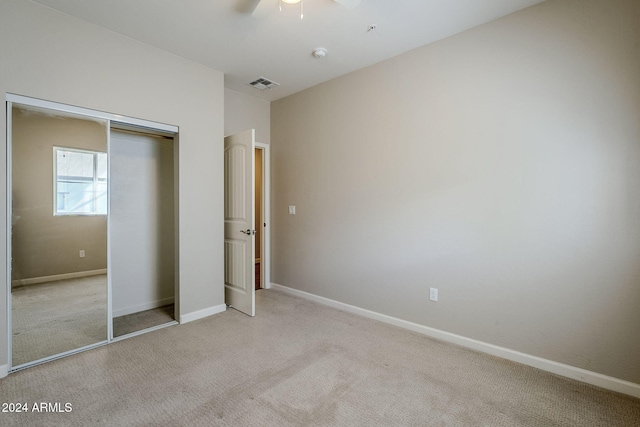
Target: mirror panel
x: 59, y: 233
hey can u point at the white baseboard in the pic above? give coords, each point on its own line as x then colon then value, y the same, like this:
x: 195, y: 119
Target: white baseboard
x: 200, y: 314
x: 568, y: 371
x: 4, y: 371
x: 55, y: 277
x: 142, y: 307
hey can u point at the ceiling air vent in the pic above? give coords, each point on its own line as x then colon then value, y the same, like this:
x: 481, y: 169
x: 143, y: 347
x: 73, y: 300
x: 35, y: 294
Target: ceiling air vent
x: 263, y: 84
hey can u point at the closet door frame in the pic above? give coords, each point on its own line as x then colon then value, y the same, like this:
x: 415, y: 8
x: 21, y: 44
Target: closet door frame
x: 113, y: 121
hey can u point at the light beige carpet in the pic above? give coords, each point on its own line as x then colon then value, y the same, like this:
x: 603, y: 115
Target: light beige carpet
x: 298, y: 363
x: 55, y: 317
x: 135, y: 322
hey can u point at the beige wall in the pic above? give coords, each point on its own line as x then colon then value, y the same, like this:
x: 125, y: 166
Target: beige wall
x: 242, y: 112
x: 44, y: 244
x: 52, y: 56
x: 501, y: 165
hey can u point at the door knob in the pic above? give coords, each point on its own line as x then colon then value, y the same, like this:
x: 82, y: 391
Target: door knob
x: 248, y: 232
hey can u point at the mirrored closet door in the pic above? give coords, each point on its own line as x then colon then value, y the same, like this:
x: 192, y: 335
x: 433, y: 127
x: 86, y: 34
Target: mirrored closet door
x: 92, y: 226
x: 58, y: 233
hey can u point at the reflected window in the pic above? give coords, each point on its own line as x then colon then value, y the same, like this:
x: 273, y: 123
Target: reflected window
x: 80, y: 182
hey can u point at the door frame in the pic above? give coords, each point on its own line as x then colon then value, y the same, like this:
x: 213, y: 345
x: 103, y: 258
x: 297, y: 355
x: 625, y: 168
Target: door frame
x: 265, y: 237
x: 112, y: 121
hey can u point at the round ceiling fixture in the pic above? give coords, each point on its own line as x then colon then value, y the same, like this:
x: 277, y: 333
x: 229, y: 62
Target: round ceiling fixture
x: 320, y: 52
x: 292, y: 2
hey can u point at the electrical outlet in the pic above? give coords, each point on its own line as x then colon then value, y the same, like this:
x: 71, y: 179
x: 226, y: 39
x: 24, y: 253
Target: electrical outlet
x: 81, y: 253
x: 433, y: 294
x: 292, y: 210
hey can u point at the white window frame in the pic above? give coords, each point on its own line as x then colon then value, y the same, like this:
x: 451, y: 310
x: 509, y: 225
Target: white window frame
x: 94, y: 182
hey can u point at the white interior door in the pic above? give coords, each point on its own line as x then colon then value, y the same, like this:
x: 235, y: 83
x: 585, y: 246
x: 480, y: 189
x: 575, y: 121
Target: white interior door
x: 239, y: 197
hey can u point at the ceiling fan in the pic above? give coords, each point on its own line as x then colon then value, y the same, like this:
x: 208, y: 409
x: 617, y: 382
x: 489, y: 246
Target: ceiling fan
x: 265, y: 7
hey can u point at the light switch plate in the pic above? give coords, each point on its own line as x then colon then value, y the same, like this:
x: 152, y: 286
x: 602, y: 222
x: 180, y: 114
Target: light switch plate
x: 292, y: 210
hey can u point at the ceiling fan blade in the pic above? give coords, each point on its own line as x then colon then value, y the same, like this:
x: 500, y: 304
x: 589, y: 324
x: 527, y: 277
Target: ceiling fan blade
x: 264, y: 8
x: 351, y: 4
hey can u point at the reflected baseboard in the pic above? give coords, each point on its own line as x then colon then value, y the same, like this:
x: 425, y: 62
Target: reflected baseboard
x: 56, y: 277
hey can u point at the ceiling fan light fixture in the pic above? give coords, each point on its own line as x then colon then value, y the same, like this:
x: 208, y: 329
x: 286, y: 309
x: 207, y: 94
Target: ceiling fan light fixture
x: 292, y: 2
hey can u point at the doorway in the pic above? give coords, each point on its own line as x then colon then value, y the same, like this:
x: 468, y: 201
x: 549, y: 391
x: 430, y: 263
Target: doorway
x: 261, y: 162
x: 258, y: 218
x: 240, y: 220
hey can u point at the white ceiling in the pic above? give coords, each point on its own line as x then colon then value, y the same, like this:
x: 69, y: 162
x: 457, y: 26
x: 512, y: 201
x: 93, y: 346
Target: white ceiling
x: 223, y: 35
